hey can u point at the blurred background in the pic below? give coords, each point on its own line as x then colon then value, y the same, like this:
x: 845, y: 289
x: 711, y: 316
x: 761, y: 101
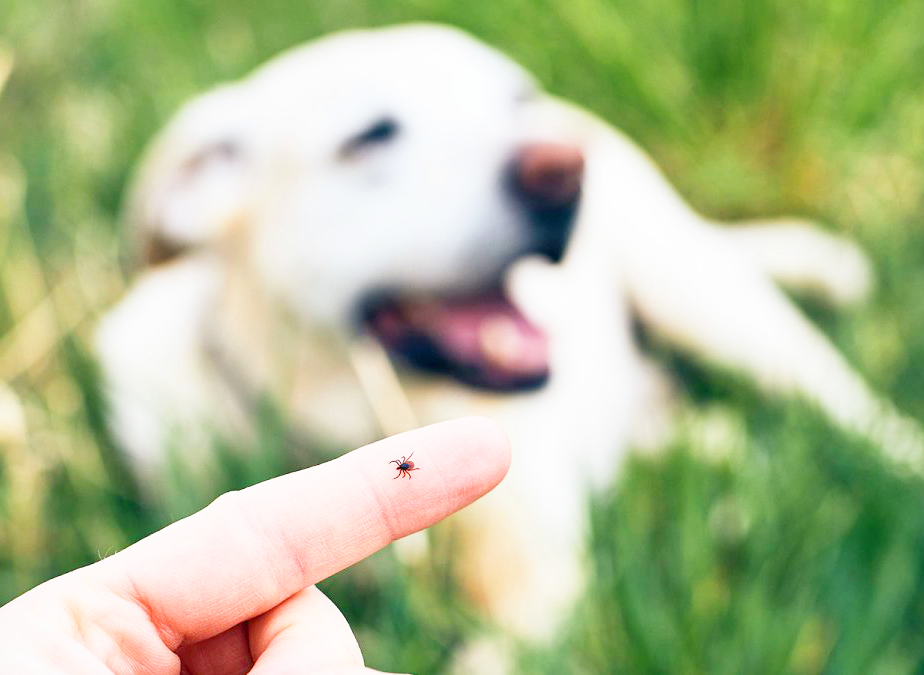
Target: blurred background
x: 763, y: 541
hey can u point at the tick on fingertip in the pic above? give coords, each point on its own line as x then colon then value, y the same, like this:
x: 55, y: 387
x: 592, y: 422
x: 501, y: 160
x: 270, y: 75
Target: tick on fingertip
x: 405, y: 466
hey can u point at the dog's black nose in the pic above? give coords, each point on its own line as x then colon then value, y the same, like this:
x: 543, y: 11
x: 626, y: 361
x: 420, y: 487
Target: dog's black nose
x: 548, y: 175
x: 546, y: 179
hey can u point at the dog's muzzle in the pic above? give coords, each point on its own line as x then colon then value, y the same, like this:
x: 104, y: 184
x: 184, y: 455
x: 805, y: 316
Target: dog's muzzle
x: 481, y: 338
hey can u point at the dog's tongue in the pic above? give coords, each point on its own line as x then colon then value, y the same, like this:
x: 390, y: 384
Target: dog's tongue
x: 484, y: 340
x: 492, y: 332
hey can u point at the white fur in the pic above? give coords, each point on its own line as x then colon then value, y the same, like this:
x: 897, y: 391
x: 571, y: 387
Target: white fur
x: 282, y: 235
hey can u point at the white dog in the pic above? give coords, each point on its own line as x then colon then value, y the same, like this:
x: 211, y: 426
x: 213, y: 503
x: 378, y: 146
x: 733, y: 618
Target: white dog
x: 410, y: 195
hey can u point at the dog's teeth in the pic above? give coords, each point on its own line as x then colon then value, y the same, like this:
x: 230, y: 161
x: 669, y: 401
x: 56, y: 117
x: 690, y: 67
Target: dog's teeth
x: 500, y: 341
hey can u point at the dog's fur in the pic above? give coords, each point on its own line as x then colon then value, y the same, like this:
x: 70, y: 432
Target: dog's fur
x: 273, y: 212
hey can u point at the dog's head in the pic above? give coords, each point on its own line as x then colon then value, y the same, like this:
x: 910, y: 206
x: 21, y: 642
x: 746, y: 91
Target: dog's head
x: 382, y: 180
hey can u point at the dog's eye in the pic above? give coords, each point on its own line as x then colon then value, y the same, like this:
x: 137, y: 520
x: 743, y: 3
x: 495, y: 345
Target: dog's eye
x: 380, y: 132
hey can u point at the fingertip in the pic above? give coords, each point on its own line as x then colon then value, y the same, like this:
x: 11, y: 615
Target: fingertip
x: 456, y: 462
x: 476, y: 448
x: 491, y: 440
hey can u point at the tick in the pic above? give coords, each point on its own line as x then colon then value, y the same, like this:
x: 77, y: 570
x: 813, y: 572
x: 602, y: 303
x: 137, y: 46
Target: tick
x: 405, y: 466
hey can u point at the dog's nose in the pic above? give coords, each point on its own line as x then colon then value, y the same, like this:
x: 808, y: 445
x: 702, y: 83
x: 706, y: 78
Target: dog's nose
x: 548, y: 175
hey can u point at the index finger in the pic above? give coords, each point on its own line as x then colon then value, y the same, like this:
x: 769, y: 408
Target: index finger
x: 250, y: 550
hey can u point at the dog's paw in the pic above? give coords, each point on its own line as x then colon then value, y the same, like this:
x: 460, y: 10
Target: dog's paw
x: 803, y: 257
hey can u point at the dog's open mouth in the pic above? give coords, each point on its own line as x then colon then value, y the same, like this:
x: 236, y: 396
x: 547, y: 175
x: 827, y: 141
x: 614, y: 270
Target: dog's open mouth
x: 481, y: 340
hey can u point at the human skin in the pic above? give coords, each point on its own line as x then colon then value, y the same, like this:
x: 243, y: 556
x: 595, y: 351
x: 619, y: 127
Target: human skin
x: 230, y: 588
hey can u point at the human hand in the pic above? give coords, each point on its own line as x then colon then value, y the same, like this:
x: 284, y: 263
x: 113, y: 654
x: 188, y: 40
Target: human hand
x: 230, y: 589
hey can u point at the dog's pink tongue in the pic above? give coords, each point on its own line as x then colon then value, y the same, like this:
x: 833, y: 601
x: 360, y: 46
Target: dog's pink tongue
x: 491, y: 334
x: 480, y: 340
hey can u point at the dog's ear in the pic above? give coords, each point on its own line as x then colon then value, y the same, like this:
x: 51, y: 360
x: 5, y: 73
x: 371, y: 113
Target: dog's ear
x: 192, y: 184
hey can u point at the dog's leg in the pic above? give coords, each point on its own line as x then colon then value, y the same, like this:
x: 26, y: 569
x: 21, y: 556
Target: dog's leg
x: 521, y: 554
x: 686, y: 278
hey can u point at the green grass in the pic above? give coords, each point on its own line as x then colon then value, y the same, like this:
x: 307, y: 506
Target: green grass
x: 784, y: 547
